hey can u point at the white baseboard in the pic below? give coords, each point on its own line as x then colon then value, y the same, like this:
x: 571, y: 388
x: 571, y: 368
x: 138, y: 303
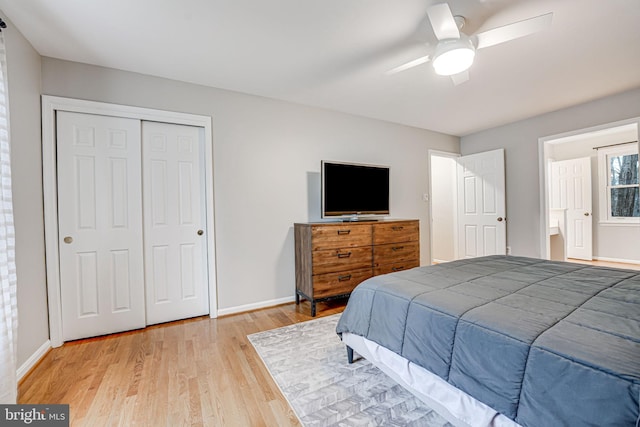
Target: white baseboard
x: 625, y: 261
x: 33, y: 359
x: 254, y: 306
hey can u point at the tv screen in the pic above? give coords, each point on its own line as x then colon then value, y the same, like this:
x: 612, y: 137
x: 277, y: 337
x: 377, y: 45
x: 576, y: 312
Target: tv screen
x: 350, y: 189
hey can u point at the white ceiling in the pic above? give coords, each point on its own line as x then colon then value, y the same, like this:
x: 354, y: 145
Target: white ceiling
x: 334, y: 53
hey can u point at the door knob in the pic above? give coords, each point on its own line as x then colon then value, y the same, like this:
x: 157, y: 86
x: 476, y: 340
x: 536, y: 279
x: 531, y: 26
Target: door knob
x: 499, y: 219
x: 586, y: 214
x: 200, y: 232
x: 68, y: 239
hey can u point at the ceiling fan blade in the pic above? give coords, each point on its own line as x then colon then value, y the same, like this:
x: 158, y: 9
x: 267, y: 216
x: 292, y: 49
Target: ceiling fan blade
x: 442, y: 22
x: 409, y: 64
x: 513, y: 31
x: 460, y: 78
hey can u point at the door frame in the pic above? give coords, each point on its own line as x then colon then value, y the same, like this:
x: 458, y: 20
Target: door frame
x: 52, y: 104
x: 543, y: 173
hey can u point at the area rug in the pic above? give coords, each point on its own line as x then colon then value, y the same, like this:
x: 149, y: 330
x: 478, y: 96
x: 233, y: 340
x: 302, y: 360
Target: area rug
x: 309, y: 363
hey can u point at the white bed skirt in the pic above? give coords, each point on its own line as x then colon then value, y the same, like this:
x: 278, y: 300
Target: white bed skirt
x: 454, y: 405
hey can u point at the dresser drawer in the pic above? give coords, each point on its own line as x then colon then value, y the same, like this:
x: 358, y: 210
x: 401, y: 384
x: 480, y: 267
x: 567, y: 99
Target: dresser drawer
x: 335, y: 260
x: 401, y: 231
x: 340, y: 236
x: 395, y: 252
x: 330, y: 284
x: 396, y: 266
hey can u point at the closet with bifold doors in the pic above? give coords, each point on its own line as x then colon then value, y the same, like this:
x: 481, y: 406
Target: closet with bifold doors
x: 132, y: 216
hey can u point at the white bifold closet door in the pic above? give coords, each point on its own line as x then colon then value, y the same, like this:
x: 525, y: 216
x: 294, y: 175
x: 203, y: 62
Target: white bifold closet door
x: 131, y: 216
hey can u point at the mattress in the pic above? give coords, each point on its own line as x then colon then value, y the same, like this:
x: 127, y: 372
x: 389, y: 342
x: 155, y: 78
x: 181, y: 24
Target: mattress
x: 543, y: 343
x: 457, y: 407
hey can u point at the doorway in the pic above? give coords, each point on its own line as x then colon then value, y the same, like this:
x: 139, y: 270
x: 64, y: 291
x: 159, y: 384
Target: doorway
x: 443, y: 206
x: 467, y: 205
x: 611, y: 237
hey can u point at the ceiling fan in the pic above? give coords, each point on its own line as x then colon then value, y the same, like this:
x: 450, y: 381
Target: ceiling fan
x: 455, y: 51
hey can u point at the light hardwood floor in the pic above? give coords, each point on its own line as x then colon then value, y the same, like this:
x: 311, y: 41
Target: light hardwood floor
x: 625, y: 266
x: 196, y: 372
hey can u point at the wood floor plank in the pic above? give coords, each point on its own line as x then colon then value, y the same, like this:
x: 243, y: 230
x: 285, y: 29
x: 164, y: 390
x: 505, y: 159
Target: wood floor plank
x: 195, y: 372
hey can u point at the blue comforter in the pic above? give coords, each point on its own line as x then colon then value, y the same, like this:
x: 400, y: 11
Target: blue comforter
x: 544, y: 343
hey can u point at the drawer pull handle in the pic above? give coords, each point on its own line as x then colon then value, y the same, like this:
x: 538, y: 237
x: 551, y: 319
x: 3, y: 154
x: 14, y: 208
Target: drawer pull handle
x: 347, y: 255
x: 343, y: 232
x: 397, y: 248
x: 398, y: 268
x: 344, y: 278
x: 397, y: 227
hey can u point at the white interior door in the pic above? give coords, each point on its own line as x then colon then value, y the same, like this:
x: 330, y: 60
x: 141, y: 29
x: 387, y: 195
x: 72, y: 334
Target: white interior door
x: 571, y: 190
x: 100, y: 224
x: 481, y: 205
x: 175, y: 218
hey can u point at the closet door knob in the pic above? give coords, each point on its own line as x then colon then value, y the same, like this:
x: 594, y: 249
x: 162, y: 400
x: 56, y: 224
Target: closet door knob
x: 68, y: 239
x: 200, y: 232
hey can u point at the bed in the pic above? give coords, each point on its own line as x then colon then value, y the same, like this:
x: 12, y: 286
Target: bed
x: 504, y: 340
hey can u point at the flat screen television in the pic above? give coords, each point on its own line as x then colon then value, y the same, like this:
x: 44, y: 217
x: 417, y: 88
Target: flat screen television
x: 354, y: 190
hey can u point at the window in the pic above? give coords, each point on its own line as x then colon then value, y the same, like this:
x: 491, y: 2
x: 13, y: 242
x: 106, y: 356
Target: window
x: 619, y: 184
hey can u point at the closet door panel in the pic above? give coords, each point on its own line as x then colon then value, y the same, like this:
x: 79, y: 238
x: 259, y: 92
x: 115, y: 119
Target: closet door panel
x: 174, y: 222
x: 100, y: 224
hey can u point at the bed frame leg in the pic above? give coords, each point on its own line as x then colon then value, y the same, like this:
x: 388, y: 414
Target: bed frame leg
x: 350, y: 354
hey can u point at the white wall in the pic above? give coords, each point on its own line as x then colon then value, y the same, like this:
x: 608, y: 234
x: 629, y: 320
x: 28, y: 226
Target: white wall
x: 23, y: 69
x: 520, y: 141
x: 267, y: 157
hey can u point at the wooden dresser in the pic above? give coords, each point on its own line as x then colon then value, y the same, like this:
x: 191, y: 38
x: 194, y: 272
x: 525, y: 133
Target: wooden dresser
x: 333, y: 257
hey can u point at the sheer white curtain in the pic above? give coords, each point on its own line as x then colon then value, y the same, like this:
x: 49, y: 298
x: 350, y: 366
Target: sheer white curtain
x: 8, y: 301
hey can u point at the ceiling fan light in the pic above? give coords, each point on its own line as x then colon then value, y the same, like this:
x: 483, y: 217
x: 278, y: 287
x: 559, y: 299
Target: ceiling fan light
x: 453, y: 57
